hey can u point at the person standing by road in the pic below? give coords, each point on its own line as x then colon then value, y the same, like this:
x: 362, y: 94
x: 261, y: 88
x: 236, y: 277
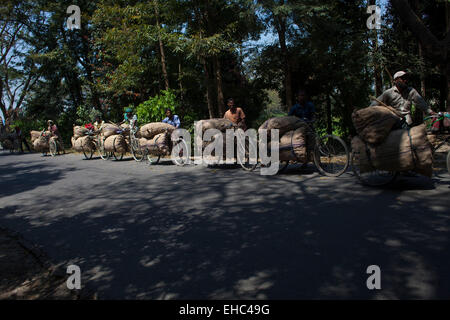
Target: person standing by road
x: 235, y: 115
x: 172, y: 119
x: 303, y: 109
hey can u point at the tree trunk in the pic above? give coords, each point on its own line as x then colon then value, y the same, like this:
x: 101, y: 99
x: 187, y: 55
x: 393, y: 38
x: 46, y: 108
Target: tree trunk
x: 207, y: 85
x: 281, y: 30
x: 377, y: 70
x: 220, y: 98
x: 329, y: 116
x: 161, y: 48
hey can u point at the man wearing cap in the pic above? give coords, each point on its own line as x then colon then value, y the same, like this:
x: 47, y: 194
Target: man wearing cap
x: 401, y: 96
x: 129, y: 117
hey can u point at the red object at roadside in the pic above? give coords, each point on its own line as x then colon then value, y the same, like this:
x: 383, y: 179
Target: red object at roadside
x: 89, y: 126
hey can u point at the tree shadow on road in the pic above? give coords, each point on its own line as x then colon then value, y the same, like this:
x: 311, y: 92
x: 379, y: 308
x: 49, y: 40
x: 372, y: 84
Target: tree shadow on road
x: 227, y: 235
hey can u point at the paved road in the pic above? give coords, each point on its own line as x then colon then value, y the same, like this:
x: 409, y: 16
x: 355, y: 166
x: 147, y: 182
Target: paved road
x: 167, y: 232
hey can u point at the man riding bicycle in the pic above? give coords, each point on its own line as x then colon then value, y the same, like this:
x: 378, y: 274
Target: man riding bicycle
x: 401, y: 96
x: 54, y: 132
x: 303, y: 109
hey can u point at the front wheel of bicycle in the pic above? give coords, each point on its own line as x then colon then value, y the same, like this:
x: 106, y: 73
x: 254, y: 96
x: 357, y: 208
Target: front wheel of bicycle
x: 331, y: 156
x: 53, y: 148
x: 369, y: 176
x: 248, y: 163
x: 136, y: 151
x: 101, y: 150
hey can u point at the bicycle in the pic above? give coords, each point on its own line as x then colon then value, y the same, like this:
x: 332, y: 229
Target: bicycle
x: 154, y: 155
x: 98, y: 146
x: 330, y: 154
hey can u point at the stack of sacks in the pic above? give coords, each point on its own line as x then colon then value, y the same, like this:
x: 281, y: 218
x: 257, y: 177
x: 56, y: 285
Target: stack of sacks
x: 36, y: 134
x: 40, y: 144
x: 109, y: 129
x: 400, y: 151
x: 296, y: 138
x: 81, y: 141
x: 220, y: 124
x: 156, y: 137
x: 114, y: 141
x: 373, y: 124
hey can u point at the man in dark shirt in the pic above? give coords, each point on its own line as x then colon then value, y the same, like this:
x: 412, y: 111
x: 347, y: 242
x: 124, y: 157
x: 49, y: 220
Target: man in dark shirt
x: 303, y: 109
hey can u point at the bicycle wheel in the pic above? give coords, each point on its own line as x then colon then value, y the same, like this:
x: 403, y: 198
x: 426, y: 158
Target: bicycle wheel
x: 53, y: 148
x: 247, y: 163
x: 331, y: 156
x: 88, y: 154
x: 117, y: 157
x: 101, y: 150
x: 136, y: 150
x: 180, y: 159
x: 372, y: 178
x: 153, y: 159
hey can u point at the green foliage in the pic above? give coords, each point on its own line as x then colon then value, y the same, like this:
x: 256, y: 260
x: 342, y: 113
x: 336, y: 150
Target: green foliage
x: 154, y: 109
x: 86, y: 114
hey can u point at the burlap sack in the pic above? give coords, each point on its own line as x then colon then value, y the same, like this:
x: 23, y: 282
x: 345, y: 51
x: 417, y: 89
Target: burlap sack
x: 116, y: 143
x: 373, y: 124
x: 283, y: 124
x: 397, y: 153
x: 109, y: 129
x: 220, y: 124
x: 126, y: 129
x: 159, y: 145
x: 34, y: 135
x: 79, y: 131
x: 83, y: 144
x: 40, y: 144
x: 150, y: 130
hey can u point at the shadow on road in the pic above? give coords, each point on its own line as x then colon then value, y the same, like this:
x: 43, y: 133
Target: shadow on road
x: 228, y: 234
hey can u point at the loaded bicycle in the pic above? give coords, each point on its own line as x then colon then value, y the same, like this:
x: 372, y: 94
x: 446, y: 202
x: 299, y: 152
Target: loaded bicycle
x: 375, y: 177
x: 153, y: 152
x: 329, y: 153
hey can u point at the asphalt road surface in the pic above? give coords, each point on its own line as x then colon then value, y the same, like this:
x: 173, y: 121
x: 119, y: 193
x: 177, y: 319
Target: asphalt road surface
x: 168, y: 232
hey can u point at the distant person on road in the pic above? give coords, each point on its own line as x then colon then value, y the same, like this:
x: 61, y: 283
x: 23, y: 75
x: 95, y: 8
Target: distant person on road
x: 21, y: 139
x: 303, y: 109
x: 235, y: 115
x: 172, y: 119
x: 54, y: 132
x: 401, y: 96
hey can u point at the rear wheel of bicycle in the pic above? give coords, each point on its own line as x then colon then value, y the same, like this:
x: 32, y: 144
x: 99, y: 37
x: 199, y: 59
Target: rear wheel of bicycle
x: 88, y: 154
x: 53, y: 148
x: 101, y: 150
x: 117, y: 156
x: 331, y: 156
x: 153, y: 159
x: 248, y: 163
x: 372, y: 178
x: 136, y: 150
x: 180, y: 154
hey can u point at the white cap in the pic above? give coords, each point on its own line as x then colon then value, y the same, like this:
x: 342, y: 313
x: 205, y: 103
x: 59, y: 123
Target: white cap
x: 399, y: 74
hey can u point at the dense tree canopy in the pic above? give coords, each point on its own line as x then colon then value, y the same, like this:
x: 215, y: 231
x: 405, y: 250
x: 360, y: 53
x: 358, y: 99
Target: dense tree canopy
x: 127, y: 53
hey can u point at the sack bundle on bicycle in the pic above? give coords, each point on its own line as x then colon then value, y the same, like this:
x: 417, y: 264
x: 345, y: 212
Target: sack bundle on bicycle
x: 296, y: 138
x: 220, y: 124
x: 41, y: 144
x: 379, y: 147
x: 82, y: 140
x: 155, y: 138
